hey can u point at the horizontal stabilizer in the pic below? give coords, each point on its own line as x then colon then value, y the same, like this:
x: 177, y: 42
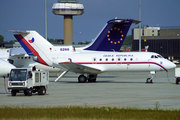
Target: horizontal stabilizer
x: 136, y: 21
x: 114, y: 21
x: 17, y: 31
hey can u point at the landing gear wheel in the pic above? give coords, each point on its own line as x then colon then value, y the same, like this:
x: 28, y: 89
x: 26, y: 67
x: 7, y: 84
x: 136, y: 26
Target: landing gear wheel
x: 82, y: 79
x: 149, y: 80
x: 41, y: 91
x: 177, y: 80
x: 152, y: 75
x: 92, y: 78
x: 13, y: 93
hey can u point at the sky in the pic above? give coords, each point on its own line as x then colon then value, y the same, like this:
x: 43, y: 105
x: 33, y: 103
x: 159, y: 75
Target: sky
x: 30, y: 14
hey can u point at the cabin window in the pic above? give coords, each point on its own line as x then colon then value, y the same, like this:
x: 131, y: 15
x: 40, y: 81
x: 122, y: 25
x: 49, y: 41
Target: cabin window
x: 119, y: 59
x: 100, y: 59
x: 124, y: 59
x: 131, y: 59
x: 94, y: 59
x: 106, y: 59
x: 112, y: 59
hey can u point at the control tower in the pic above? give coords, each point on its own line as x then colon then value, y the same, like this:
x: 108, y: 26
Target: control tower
x: 68, y: 8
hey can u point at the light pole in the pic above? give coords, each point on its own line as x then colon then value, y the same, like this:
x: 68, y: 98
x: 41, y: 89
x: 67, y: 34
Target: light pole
x: 80, y: 36
x: 140, y: 26
x: 45, y: 20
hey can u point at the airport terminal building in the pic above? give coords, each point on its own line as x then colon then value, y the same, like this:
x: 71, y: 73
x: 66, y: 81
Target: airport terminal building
x: 162, y: 40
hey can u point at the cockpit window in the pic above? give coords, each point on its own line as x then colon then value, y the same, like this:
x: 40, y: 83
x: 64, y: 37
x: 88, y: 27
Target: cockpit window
x: 156, y: 56
x: 152, y: 56
x: 159, y: 56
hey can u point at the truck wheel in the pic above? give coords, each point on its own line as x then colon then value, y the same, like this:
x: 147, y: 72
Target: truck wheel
x: 177, y: 80
x: 25, y: 92
x: 42, y: 91
x: 13, y: 93
x: 29, y: 92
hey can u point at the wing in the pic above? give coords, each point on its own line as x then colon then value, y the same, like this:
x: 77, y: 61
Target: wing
x: 77, y: 68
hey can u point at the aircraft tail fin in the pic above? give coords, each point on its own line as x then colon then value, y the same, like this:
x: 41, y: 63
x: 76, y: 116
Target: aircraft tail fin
x: 112, y: 35
x: 34, y: 44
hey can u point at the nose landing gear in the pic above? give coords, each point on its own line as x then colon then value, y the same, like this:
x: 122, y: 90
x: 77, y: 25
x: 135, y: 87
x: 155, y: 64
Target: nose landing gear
x: 152, y: 75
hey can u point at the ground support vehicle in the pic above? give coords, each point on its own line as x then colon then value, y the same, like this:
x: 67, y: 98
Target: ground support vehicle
x: 28, y: 81
x: 177, y: 75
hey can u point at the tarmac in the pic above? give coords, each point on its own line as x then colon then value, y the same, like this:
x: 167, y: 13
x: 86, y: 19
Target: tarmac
x: 115, y: 89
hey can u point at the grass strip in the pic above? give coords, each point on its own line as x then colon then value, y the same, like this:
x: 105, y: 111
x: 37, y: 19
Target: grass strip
x: 86, y: 113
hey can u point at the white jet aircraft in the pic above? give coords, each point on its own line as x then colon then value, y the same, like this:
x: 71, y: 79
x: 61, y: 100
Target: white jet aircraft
x: 19, y: 58
x: 92, y: 62
x: 5, y: 65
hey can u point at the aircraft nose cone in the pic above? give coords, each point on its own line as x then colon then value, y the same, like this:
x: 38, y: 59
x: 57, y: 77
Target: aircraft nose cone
x: 174, y: 65
x: 170, y: 65
x: 5, y: 67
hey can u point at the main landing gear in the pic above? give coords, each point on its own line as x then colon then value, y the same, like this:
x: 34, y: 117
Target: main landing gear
x: 152, y: 75
x: 81, y: 78
x: 90, y: 78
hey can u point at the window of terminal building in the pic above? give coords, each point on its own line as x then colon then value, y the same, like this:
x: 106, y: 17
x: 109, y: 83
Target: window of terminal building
x: 158, y: 32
